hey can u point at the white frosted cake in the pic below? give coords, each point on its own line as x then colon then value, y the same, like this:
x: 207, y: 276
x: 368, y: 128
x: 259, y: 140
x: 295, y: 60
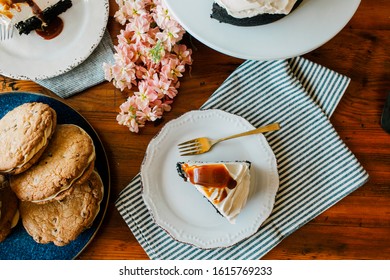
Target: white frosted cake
x: 252, y: 12
x: 224, y: 184
x: 250, y: 8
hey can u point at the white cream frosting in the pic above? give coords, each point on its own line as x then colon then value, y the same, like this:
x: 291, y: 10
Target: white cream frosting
x: 251, y: 8
x: 236, y: 198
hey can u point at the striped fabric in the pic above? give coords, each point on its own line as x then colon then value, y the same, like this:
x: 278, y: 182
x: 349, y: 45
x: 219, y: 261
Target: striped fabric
x: 88, y: 74
x: 316, y: 168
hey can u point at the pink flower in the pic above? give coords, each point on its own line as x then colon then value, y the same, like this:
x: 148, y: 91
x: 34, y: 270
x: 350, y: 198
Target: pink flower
x: 183, y: 53
x: 172, y: 68
x: 124, y: 74
x: 125, y: 36
x: 127, y: 116
x: 162, y: 86
x: 121, y: 16
x: 171, y: 34
x: 145, y: 95
x: 148, y: 114
x: 145, y: 73
x: 140, y: 26
x: 135, y: 8
x: 124, y: 54
x: 161, y: 16
x: 148, y: 56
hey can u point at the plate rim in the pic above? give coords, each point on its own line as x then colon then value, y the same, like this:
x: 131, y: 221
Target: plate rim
x: 107, y: 190
x: 222, y: 48
x: 250, y: 230
x: 73, y: 61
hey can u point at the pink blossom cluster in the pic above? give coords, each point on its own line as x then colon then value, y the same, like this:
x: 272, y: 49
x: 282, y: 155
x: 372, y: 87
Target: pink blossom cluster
x: 149, y: 56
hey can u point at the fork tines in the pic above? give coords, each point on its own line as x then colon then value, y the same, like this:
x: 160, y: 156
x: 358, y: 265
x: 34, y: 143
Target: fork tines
x: 6, y: 30
x: 189, y: 146
x: 189, y: 142
x: 10, y: 32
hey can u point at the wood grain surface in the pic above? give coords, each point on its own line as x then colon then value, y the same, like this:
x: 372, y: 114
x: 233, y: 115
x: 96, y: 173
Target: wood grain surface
x: 358, y: 227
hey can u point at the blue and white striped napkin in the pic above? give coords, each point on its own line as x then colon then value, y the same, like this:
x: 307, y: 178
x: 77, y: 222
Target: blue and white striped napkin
x: 88, y: 74
x: 316, y: 168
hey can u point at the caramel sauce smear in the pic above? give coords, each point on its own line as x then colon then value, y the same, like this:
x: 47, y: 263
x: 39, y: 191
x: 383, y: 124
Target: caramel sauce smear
x: 213, y: 177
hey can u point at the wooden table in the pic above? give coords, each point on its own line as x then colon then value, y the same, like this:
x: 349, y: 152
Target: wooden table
x: 358, y: 227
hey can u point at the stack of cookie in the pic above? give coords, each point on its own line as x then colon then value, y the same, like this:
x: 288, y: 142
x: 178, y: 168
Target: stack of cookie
x: 9, y: 214
x: 51, y: 170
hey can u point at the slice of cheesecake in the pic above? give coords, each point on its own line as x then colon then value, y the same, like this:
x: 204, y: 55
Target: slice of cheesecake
x: 225, y: 184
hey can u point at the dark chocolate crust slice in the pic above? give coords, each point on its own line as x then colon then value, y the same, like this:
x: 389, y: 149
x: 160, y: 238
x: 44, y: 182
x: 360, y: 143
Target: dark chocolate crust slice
x: 222, y: 15
x: 48, y: 14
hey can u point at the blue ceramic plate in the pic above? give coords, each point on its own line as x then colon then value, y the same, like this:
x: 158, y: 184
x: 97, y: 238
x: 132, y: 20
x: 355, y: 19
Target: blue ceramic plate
x: 21, y: 246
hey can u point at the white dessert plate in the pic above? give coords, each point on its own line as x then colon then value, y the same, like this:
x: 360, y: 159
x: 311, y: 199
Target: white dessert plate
x: 32, y: 57
x: 178, y: 208
x: 308, y: 27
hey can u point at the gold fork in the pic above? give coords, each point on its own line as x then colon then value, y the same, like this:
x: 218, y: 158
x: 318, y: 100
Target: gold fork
x: 203, y: 144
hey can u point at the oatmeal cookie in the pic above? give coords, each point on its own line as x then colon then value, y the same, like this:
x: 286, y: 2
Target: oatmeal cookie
x: 61, y: 221
x: 9, y: 214
x: 24, y: 134
x: 69, y: 158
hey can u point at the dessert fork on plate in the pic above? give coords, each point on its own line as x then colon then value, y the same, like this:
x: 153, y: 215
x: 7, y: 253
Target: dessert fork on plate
x: 203, y: 144
x: 6, y: 28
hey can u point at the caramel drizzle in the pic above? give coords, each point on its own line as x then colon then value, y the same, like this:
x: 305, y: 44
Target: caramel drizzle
x: 213, y: 178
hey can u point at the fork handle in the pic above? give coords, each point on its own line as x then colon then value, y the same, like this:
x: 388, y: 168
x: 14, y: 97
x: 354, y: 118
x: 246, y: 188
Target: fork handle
x: 270, y: 127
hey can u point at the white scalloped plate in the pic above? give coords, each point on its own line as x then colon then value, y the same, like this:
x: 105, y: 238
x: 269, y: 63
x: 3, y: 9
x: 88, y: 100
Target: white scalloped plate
x: 178, y: 208
x: 30, y: 57
x: 308, y: 27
